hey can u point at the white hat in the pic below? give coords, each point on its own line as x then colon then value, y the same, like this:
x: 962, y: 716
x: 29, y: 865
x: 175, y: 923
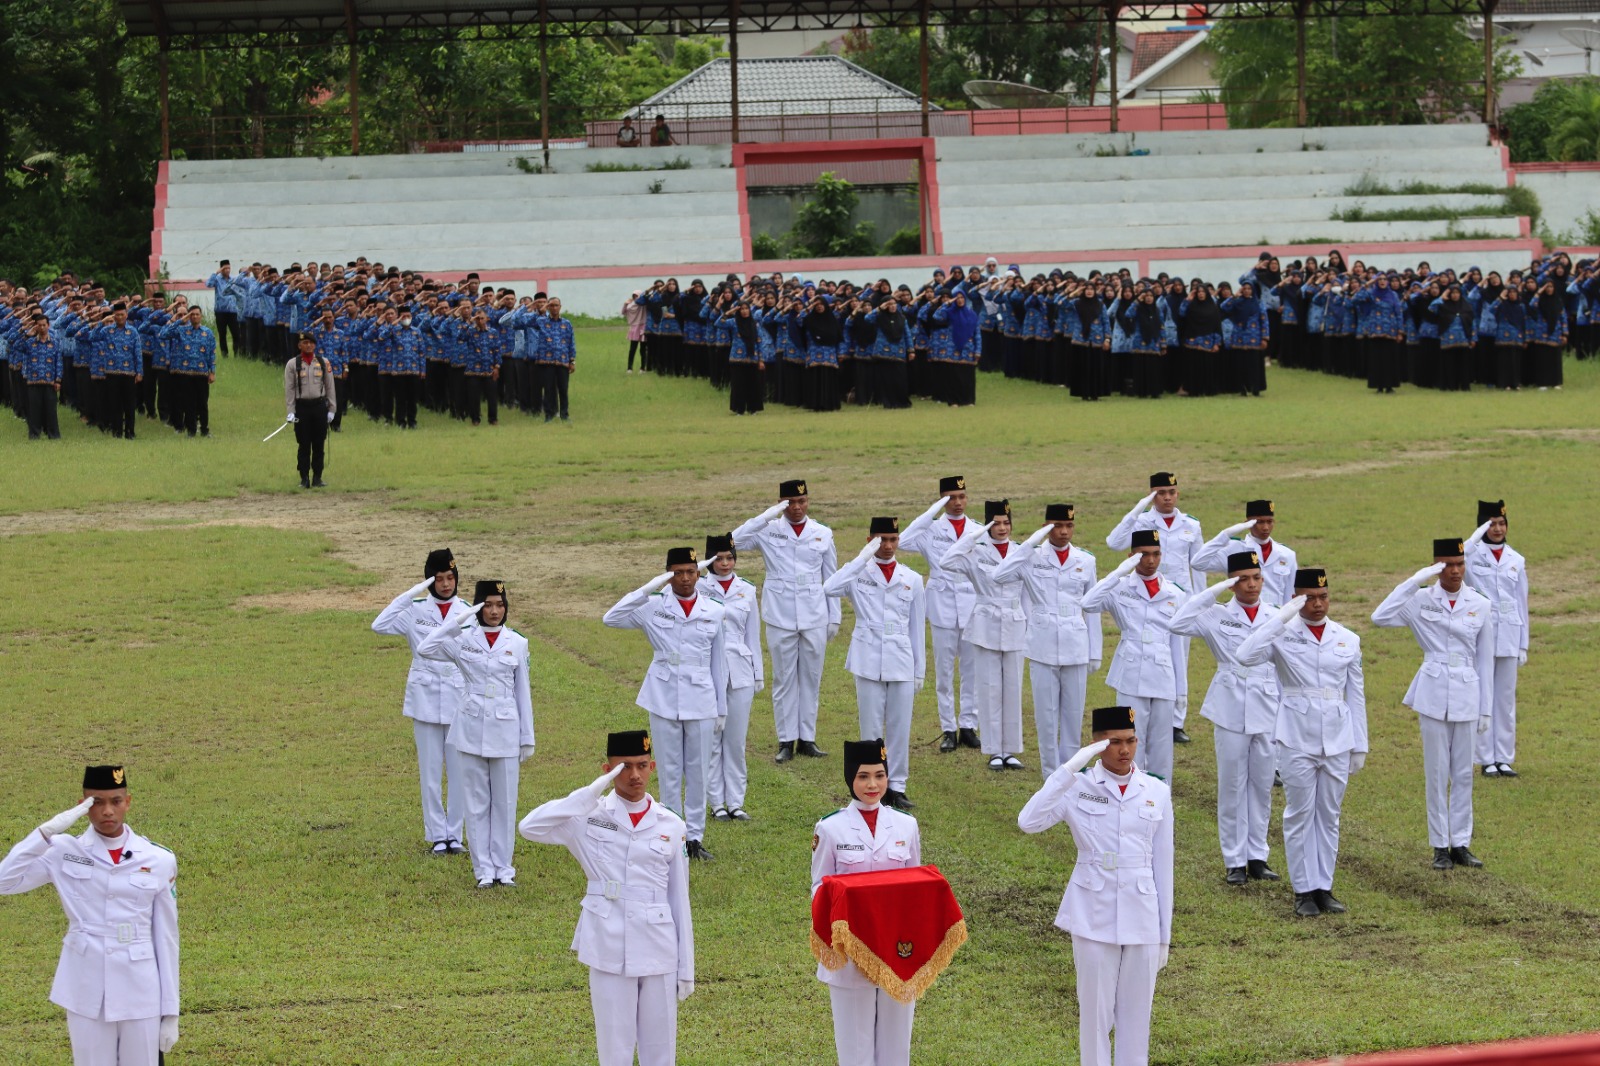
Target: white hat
x: 991, y: 259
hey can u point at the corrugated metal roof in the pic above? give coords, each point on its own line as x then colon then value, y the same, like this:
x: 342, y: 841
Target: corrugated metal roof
x: 799, y: 85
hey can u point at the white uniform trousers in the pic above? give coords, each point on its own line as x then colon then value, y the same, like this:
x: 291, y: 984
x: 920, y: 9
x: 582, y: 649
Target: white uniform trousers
x: 1152, y: 722
x: 98, y: 1043
x: 683, y: 760
x: 1180, y: 714
x: 489, y: 792
x: 1244, y: 794
x: 999, y: 700
x: 883, y: 709
x: 1499, y: 744
x: 726, y: 781
x: 1447, y: 772
x: 1058, y: 697
x: 871, y: 1027
x: 949, y: 650
x: 796, y: 680
x: 1116, y: 988
x: 634, y: 1012
x: 1313, y: 793
x: 436, y: 760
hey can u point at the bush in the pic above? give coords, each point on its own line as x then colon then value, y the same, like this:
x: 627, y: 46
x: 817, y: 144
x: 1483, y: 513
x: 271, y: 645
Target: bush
x: 766, y: 246
x: 907, y: 240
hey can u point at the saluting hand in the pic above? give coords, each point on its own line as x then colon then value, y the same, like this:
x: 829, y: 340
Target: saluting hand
x: 603, y: 782
x: 1125, y: 567
x: 1239, y: 527
x: 1085, y: 756
x: 1291, y: 610
x: 1427, y: 573
x: 65, y: 820
x: 870, y: 550
x: 1478, y: 534
x: 1037, y: 536
x: 1215, y: 591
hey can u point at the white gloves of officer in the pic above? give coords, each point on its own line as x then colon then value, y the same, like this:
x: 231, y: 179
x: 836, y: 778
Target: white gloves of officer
x: 1037, y: 536
x: 936, y: 508
x: 66, y: 819
x: 1140, y: 508
x: 1125, y: 567
x: 1358, y: 759
x: 1291, y: 610
x: 1094, y: 666
x: 330, y: 417
x: 1483, y: 723
x: 1426, y: 574
x: 1238, y: 528
x: 685, y: 990
x: 1522, y: 658
x: 599, y: 785
x: 421, y: 588
x: 833, y: 630
x: 1216, y: 591
x: 524, y: 753
x: 705, y: 564
x: 722, y: 723
x: 657, y: 583
x: 169, y: 1033
x: 1161, y: 957
x: 1085, y: 756
x: 967, y: 540
x: 469, y: 617
x: 870, y: 550
x: 290, y: 417
x: 771, y: 513
x: 1478, y: 535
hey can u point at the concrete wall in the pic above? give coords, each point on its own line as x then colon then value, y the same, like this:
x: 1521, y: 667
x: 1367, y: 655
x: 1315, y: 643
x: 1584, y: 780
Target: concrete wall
x: 1565, y: 198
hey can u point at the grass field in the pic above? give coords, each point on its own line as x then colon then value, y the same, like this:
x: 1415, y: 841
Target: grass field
x: 179, y: 605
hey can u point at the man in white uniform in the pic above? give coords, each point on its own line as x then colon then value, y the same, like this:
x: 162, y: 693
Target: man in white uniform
x: 433, y: 693
x: 1142, y: 600
x: 1321, y: 737
x: 998, y: 631
x: 741, y: 629
x: 1064, y: 644
x: 800, y: 619
x: 888, y: 647
x: 1242, y: 707
x: 634, y: 930
x: 1118, y: 904
x: 951, y: 598
x: 685, y: 688
x: 1278, y: 560
x: 1452, y: 692
x: 1500, y: 573
x: 118, y: 975
x: 493, y: 731
x: 1181, y: 541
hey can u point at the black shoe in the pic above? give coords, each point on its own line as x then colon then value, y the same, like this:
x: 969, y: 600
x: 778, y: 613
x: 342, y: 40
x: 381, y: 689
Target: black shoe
x: 697, y: 850
x: 898, y: 800
x: 1236, y: 875
x: 1306, y: 905
x: 947, y: 742
x: 1179, y: 736
x: 1491, y: 769
x: 785, y: 752
x: 1329, y: 904
x: 305, y: 482
x: 1258, y: 870
x: 1441, y: 859
x: 1507, y: 771
x: 968, y: 738
x: 809, y: 748
x: 318, y: 483
x: 1463, y: 857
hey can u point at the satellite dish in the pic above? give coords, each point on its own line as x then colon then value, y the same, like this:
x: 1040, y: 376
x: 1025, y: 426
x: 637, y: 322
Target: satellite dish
x: 991, y: 95
x: 1587, y: 39
x: 1535, y: 60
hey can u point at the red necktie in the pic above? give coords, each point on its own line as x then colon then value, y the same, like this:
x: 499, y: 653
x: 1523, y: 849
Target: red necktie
x: 1061, y: 555
x: 888, y: 572
x: 642, y: 813
x: 797, y: 528
x: 1168, y: 520
x: 1123, y: 789
x: 1250, y: 612
x: 959, y: 525
x: 687, y: 605
x: 1497, y: 552
x: 444, y: 608
x: 1001, y: 548
x: 1266, y: 551
x: 116, y: 855
x: 1316, y: 630
x: 725, y: 584
x: 871, y: 818
x: 491, y: 637
x: 1152, y: 585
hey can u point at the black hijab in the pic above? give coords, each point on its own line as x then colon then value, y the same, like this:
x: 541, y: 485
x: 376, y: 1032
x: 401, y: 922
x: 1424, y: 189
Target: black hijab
x: 823, y: 328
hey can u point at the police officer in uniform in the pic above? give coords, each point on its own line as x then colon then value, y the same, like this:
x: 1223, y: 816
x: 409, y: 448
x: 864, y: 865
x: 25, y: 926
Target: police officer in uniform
x: 1321, y: 738
x: 635, y: 932
x: 493, y: 731
x: 999, y: 632
x: 1118, y: 904
x: 870, y: 1027
x: 1242, y: 706
x: 800, y: 618
x: 1500, y: 573
x: 1147, y: 670
x: 951, y: 598
x: 1064, y: 644
x: 309, y: 397
x: 888, y: 647
x: 685, y: 688
x: 118, y: 975
x: 1452, y: 692
x: 434, y: 691
x: 1278, y: 561
x: 741, y: 626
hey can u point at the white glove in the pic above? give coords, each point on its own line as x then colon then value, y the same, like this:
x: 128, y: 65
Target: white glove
x: 1094, y: 666
x: 599, y: 785
x: 65, y: 820
x: 761, y: 685
x: 833, y: 630
x: 967, y: 540
x: 657, y: 583
x: 1161, y: 957
x: 870, y: 550
x: 1140, y: 508
x: 722, y: 723
x: 1522, y: 657
x: 1036, y: 536
x: 1483, y: 723
x: 1125, y: 567
x: 920, y: 682
x: 169, y: 1033
x: 685, y: 990
x: 1215, y: 591
x: 525, y: 753
x: 774, y: 511
x: 330, y: 416
x: 470, y: 615
x: 420, y: 587
x: 1358, y: 759
x: 1085, y: 756
x: 936, y: 509
x: 1289, y: 611
x: 1235, y: 530
x: 705, y: 564
x: 1427, y: 573
x: 1478, y: 534
x: 290, y: 417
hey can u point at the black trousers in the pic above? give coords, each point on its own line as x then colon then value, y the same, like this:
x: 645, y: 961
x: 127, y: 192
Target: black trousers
x: 191, y: 402
x: 147, y: 387
x: 228, y: 332
x: 530, y: 387
x: 404, y: 388
x: 553, y: 390
x: 437, y: 386
x: 475, y: 389
x: 311, y: 434
x: 252, y: 337
x: 747, y: 388
x: 119, y: 402
x: 341, y: 392
x: 42, y: 412
x: 386, y: 391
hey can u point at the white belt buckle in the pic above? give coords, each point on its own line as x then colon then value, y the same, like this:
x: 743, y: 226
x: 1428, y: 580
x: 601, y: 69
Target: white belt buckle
x: 1330, y: 694
x: 613, y: 889
x: 1108, y: 860
x: 1455, y: 661
x: 124, y: 933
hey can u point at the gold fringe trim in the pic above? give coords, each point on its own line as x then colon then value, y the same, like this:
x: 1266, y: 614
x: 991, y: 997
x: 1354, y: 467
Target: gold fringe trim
x: 847, y: 945
x: 825, y: 954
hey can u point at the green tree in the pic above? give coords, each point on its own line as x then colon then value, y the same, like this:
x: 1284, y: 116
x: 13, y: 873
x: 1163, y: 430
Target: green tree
x: 822, y: 228
x: 1575, y: 124
x: 1045, y: 55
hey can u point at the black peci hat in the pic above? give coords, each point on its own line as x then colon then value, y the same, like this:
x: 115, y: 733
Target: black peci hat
x: 1258, y: 509
x: 993, y: 509
x: 1060, y: 512
x: 788, y: 490
x: 439, y: 560
x: 1447, y: 547
x: 104, y: 777
x: 1310, y: 577
x: 680, y: 556
x: 1163, y: 480
x: 952, y: 484
x: 628, y: 744
x: 1105, y: 719
x: 883, y: 525
x: 1243, y: 561
x: 485, y: 589
x: 1488, y: 510
x: 716, y: 545
x: 859, y: 753
x: 1146, y: 538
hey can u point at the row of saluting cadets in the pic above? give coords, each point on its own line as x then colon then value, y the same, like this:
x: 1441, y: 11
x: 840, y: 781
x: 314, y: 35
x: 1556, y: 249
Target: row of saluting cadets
x: 1288, y: 695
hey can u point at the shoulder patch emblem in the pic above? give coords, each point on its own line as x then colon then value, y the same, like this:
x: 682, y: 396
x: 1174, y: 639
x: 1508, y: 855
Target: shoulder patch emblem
x: 815, y: 840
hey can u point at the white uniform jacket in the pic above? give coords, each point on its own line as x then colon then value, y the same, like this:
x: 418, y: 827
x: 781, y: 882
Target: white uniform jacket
x: 999, y: 619
x: 1277, y: 569
x: 843, y: 844
x: 496, y: 717
x: 1149, y: 661
x: 635, y: 913
x: 433, y: 689
x: 890, y: 639
x: 1242, y: 699
x: 1504, y: 583
x: 1058, y: 632
x: 797, y: 565
x: 1121, y: 888
x: 951, y: 596
x: 741, y: 629
x: 1180, y: 543
x: 688, y: 675
x: 1456, y: 680
x: 1322, y: 690
x: 119, y: 961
